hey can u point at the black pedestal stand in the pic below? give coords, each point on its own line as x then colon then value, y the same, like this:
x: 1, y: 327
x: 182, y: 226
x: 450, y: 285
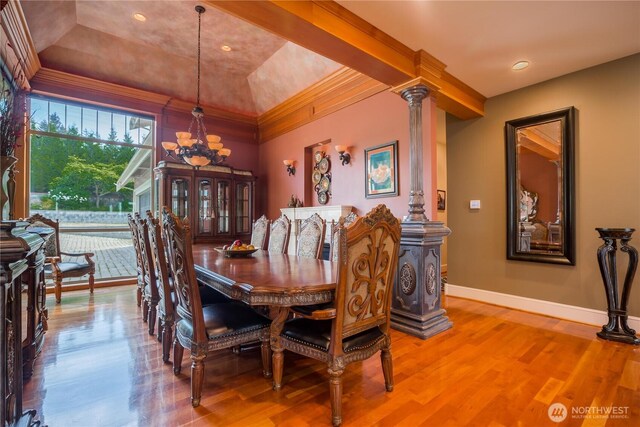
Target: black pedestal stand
x: 617, y: 328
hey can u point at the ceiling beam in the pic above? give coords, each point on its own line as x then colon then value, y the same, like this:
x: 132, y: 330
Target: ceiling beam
x: 334, y: 32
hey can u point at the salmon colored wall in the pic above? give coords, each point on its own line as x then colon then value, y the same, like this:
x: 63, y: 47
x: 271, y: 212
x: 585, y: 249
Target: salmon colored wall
x: 244, y: 153
x: 376, y: 120
x: 539, y: 175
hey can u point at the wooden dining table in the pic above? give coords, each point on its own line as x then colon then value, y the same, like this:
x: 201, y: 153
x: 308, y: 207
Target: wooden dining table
x: 278, y: 281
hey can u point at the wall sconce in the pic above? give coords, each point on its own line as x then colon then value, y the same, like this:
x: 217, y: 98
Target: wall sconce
x: 345, y: 157
x: 290, y: 168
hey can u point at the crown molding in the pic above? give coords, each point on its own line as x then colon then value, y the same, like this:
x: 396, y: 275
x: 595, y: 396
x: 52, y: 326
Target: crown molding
x: 53, y: 82
x: 180, y: 106
x: 339, y: 90
x: 14, y: 26
x: 49, y: 81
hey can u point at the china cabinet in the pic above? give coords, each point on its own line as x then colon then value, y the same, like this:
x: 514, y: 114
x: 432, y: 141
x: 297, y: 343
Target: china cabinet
x: 23, y: 315
x: 218, y: 201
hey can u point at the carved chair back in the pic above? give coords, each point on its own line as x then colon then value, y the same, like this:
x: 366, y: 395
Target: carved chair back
x: 162, y: 271
x: 311, y: 237
x: 333, y: 251
x: 136, y: 246
x: 279, y: 236
x: 367, y: 258
x: 52, y: 245
x: 259, y: 232
x: 146, y: 257
x: 188, y: 305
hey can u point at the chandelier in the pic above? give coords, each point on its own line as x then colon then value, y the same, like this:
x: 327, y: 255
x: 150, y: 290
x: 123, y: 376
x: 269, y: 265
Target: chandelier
x: 199, y: 149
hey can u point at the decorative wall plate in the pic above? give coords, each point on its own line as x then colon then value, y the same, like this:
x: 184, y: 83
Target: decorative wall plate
x: 323, y: 165
x: 323, y: 197
x: 325, y: 183
x: 318, y: 155
x: 316, y: 176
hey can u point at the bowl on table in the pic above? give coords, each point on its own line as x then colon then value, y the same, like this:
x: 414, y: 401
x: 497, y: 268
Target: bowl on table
x: 236, y: 253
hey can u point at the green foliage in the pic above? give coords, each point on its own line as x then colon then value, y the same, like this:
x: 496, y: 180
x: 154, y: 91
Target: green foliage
x: 81, y: 183
x: 77, y: 174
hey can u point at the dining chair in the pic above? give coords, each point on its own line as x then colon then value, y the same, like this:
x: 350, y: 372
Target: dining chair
x: 333, y: 249
x: 150, y: 294
x: 203, y: 329
x: 279, y: 235
x: 166, y: 294
x: 311, y: 237
x: 60, y: 265
x: 165, y: 310
x: 260, y: 232
x: 139, y: 269
x: 357, y: 325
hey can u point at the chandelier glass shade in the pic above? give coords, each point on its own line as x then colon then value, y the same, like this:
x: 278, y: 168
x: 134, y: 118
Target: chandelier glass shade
x: 195, y: 147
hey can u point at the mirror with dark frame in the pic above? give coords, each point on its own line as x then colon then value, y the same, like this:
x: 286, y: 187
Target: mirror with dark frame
x: 540, y: 187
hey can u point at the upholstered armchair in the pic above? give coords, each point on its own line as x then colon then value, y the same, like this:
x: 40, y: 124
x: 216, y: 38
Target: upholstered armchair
x: 356, y: 325
x: 260, y: 232
x: 311, y: 237
x: 203, y: 329
x: 279, y: 236
x: 57, y: 264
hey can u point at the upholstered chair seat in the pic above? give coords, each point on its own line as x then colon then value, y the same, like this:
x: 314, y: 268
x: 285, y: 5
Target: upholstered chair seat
x: 223, y: 323
x: 66, y: 267
x: 317, y: 334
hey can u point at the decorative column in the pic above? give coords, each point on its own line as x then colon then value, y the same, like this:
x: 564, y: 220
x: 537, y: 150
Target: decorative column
x: 617, y: 329
x: 417, y: 305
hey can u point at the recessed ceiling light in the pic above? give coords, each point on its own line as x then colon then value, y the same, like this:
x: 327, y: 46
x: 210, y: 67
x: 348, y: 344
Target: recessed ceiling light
x: 520, y: 65
x: 139, y: 17
x: 226, y: 48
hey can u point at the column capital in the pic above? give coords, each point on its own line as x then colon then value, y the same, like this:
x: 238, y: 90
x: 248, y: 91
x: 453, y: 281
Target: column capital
x: 415, y: 94
x: 432, y: 90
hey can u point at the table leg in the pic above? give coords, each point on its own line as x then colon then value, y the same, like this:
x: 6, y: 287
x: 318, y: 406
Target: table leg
x: 279, y: 316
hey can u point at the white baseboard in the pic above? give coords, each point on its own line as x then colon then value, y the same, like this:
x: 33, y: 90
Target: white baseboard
x: 548, y: 308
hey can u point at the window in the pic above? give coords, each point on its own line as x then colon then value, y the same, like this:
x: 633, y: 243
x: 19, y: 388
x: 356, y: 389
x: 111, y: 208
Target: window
x: 89, y: 167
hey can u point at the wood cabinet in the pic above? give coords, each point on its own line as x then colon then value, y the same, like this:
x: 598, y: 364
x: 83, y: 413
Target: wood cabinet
x: 21, y: 262
x: 219, y: 201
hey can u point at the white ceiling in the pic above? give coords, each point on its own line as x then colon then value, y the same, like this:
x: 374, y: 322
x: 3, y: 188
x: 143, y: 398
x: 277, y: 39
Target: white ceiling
x: 479, y: 41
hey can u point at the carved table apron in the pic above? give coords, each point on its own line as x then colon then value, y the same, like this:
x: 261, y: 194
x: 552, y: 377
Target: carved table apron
x: 275, y: 280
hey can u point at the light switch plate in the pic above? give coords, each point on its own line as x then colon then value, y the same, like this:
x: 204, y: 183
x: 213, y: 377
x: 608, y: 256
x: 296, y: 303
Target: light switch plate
x: 474, y: 204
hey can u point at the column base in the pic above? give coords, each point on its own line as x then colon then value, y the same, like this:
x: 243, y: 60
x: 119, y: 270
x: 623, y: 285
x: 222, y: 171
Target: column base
x: 420, y: 326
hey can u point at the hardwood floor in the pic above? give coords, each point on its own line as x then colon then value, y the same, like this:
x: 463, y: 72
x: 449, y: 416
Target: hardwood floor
x: 496, y: 367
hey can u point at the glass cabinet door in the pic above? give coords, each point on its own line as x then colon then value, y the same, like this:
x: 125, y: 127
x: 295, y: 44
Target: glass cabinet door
x: 223, y: 207
x: 180, y: 197
x: 205, y: 206
x: 243, y: 207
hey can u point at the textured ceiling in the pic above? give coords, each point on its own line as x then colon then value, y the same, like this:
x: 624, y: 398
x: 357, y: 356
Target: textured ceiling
x: 100, y: 39
x: 479, y: 41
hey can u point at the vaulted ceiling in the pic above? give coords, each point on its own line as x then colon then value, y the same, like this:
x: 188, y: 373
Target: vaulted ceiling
x: 102, y: 40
